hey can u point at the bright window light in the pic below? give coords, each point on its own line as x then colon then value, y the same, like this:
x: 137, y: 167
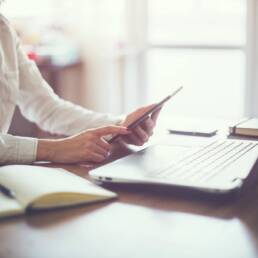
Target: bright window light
x: 197, y: 22
x: 199, y: 44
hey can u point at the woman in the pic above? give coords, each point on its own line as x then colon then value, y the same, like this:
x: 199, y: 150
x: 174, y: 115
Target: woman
x: 21, y: 84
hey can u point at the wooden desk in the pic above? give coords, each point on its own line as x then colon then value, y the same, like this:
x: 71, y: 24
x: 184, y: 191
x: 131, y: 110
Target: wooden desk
x: 143, y: 222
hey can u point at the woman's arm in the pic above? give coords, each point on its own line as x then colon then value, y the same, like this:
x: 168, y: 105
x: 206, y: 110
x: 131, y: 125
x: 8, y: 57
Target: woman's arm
x: 40, y: 104
x: 86, y: 146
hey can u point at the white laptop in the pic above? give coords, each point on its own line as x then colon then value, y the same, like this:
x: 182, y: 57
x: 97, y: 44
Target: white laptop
x: 220, y: 166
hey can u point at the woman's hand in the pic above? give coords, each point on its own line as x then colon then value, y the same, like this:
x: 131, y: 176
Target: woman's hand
x: 86, y: 146
x: 144, y: 131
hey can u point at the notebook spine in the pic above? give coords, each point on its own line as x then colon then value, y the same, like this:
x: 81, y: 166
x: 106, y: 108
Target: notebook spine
x: 234, y: 128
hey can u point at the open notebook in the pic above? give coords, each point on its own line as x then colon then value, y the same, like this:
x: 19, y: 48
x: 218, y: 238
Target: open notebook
x: 37, y: 187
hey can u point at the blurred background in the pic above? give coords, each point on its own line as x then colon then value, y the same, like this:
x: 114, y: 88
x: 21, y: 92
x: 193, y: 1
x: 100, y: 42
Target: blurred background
x: 115, y: 55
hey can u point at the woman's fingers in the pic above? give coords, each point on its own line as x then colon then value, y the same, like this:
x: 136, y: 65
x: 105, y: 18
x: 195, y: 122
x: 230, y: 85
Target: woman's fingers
x: 95, y: 157
x: 99, y: 150
x: 133, y: 139
x: 155, y: 115
x: 103, y: 144
x: 141, y: 134
x: 103, y: 131
x: 148, y: 125
x: 136, y: 114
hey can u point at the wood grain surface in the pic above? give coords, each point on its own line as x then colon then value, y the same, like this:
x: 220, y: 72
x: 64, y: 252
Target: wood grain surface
x: 151, y: 222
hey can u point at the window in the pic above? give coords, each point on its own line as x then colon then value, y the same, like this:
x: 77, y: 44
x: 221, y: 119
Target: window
x: 208, y: 46
x: 200, y: 44
x: 99, y: 15
x: 95, y: 29
x: 25, y: 8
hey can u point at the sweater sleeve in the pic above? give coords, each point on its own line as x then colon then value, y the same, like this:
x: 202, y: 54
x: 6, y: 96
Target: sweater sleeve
x: 15, y: 149
x: 40, y: 104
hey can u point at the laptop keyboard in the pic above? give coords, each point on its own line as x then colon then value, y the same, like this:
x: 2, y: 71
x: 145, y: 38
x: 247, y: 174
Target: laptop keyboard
x: 207, y: 162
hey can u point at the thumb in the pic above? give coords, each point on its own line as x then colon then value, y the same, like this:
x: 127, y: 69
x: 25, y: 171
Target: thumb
x: 147, y: 108
x: 111, y: 130
x: 155, y: 115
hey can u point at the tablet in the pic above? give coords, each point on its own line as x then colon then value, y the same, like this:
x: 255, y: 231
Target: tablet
x: 149, y: 112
